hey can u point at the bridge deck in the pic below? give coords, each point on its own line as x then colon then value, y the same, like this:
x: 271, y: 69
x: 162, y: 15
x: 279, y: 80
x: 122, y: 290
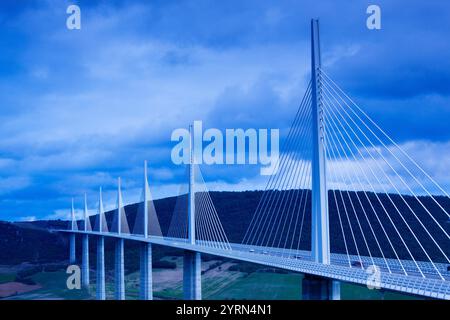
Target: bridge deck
x: 428, y: 285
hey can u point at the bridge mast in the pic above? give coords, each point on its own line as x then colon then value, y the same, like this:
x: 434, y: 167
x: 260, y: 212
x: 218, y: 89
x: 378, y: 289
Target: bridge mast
x: 146, y: 278
x: 119, y: 267
x: 100, y: 286
x: 73, y: 227
x: 85, y: 248
x: 315, y: 287
x: 146, y: 192
x: 320, y: 234
x: 191, y: 201
x: 192, y: 262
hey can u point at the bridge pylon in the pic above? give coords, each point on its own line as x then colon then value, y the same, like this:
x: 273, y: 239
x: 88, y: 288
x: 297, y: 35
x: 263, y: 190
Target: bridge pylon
x: 146, y: 200
x: 320, y: 232
x: 73, y: 227
x: 85, y: 247
x: 100, y: 288
x: 192, y: 263
x: 119, y: 268
x: 318, y: 287
x: 146, y: 278
x: 191, y: 201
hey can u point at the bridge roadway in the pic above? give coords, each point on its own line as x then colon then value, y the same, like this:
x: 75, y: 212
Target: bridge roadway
x: 429, y: 285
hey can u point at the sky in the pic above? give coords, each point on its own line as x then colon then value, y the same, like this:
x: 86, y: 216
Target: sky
x: 79, y: 108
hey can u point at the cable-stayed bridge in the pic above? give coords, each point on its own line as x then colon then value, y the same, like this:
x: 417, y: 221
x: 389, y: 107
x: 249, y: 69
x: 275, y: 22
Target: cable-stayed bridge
x: 345, y: 203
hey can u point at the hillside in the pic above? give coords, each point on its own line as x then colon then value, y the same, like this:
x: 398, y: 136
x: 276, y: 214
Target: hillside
x: 23, y: 243
x: 35, y: 241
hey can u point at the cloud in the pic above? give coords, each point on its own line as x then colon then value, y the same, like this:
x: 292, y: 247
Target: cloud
x: 391, y: 169
x: 28, y: 218
x: 64, y: 214
x: 81, y: 108
x: 272, y: 97
x: 6, y: 163
x: 13, y: 183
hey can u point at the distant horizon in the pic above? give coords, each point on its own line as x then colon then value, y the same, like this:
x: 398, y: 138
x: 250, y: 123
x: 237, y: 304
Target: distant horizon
x: 79, y: 212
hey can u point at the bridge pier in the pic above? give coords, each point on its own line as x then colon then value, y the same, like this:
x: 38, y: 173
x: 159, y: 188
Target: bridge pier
x: 319, y: 288
x: 72, y: 257
x: 146, y: 281
x: 119, y: 270
x: 192, y: 270
x: 335, y: 288
x: 85, y: 262
x: 101, y: 291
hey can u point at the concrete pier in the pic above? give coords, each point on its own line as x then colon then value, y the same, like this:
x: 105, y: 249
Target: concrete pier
x: 192, y: 268
x: 146, y: 279
x: 101, y: 291
x: 85, y: 262
x: 319, y: 288
x: 335, y: 290
x: 119, y: 270
x: 72, y: 257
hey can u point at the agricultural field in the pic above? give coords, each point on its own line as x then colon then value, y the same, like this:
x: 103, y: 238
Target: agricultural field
x: 221, y: 279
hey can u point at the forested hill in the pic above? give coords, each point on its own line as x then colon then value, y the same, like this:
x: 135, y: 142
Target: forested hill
x: 31, y: 240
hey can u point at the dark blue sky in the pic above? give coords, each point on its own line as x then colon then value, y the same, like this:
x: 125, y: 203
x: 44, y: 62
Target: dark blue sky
x: 80, y: 108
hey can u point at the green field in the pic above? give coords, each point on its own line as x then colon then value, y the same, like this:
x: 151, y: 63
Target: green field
x: 355, y: 292
x: 217, y: 283
x: 267, y: 286
x: 7, y: 277
x: 274, y: 286
x: 53, y: 287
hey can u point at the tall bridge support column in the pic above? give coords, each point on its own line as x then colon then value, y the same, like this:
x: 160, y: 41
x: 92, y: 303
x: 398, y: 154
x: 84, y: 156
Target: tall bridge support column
x: 335, y: 288
x: 192, y: 261
x: 72, y: 257
x: 319, y: 288
x: 192, y: 270
x: 101, y: 292
x: 320, y: 232
x: 146, y: 281
x: 85, y: 262
x: 119, y: 269
x: 314, y: 287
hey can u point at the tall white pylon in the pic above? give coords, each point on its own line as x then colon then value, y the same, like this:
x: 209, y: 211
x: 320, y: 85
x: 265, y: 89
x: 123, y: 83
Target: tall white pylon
x: 146, y: 200
x: 121, y: 224
x: 74, y: 225
x: 101, y: 225
x: 191, y: 201
x: 87, y: 222
x: 146, y: 222
x: 119, y: 206
x: 320, y: 234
